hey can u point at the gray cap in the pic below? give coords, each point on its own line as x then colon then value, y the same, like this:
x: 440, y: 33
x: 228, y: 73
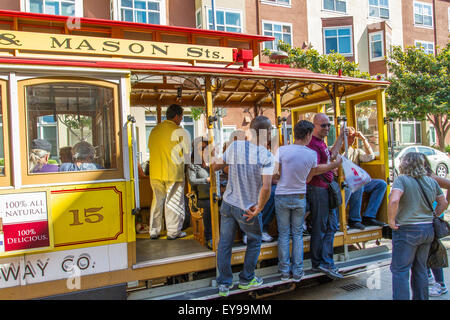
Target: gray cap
x: 41, y: 144
x: 83, y: 150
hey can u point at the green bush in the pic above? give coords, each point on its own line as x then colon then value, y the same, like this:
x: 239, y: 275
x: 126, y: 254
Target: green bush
x: 447, y: 149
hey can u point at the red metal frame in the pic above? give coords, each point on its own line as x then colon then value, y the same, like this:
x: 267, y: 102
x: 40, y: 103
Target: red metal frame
x: 282, y: 72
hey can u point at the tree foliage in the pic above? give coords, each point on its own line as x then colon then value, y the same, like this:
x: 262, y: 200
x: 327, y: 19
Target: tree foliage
x: 312, y: 60
x: 420, y: 87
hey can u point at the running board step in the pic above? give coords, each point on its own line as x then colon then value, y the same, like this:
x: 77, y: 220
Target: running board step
x: 270, y: 280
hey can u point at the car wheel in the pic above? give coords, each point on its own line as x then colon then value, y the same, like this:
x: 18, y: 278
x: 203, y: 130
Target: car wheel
x: 441, y: 170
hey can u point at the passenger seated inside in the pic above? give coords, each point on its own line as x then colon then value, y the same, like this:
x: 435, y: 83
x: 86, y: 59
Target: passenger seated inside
x: 65, y: 155
x: 83, y: 154
x: 375, y: 188
x: 39, y: 155
x: 198, y: 173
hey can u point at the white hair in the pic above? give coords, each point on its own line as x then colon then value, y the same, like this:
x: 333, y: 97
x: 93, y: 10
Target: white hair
x: 37, y: 158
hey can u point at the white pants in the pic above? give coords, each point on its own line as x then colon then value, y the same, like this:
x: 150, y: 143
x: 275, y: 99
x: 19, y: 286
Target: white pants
x: 167, y: 196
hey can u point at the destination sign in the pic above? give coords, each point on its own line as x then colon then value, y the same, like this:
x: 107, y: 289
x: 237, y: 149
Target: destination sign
x: 76, y: 44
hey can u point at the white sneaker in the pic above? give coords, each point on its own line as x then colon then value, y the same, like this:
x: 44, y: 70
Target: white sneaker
x: 266, y: 237
x: 437, y: 290
x: 431, y: 281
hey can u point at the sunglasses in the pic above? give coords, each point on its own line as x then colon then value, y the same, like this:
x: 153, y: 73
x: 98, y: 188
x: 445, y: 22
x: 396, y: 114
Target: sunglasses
x: 325, y: 125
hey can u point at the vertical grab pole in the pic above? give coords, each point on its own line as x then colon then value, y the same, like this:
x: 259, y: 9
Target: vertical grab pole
x: 342, y: 208
x: 278, y: 113
x: 391, y: 136
x: 135, y: 158
x: 210, y: 119
x: 342, y: 213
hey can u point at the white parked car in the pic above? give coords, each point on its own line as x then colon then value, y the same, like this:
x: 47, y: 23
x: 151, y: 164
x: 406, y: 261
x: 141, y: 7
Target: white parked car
x: 440, y: 162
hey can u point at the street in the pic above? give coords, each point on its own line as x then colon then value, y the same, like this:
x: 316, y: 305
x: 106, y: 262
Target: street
x: 372, y: 284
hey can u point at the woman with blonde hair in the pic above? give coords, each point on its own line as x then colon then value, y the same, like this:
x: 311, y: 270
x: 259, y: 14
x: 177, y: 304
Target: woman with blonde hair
x: 39, y: 156
x: 411, y: 221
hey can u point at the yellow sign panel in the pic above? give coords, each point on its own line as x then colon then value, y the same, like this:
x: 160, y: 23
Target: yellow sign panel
x: 57, y: 43
x: 83, y: 216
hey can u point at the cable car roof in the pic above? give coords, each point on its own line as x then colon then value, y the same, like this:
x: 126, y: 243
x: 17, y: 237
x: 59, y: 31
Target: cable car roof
x: 163, y: 83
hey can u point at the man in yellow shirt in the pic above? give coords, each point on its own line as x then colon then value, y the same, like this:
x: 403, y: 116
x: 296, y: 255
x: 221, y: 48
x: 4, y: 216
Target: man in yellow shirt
x: 168, y: 145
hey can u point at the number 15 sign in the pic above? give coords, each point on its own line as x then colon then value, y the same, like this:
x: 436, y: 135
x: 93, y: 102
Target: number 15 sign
x: 23, y: 222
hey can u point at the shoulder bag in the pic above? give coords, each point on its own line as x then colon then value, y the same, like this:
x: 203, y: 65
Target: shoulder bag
x: 441, y: 227
x: 334, y: 193
x: 437, y: 257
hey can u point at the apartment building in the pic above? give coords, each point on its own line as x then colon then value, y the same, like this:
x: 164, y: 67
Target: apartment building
x: 360, y: 30
x: 364, y: 32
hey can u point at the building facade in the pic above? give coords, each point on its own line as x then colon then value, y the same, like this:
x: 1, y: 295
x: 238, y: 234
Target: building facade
x: 361, y: 30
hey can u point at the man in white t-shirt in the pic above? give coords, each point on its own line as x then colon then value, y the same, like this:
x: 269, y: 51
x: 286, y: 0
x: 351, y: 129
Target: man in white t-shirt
x: 295, y: 164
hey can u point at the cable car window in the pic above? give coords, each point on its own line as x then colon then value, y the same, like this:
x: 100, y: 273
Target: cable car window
x: 367, y: 124
x: 2, y: 141
x: 70, y: 127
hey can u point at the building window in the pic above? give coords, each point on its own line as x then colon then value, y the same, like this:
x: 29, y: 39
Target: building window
x: 198, y: 19
x: 448, y: 17
x: 427, y: 47
x: 279, y: 30
x: 227, y: 131
x: 423, y: 14
x: 47, y: 129
x: 410, y: 132
x: 225, y: 20
x: 338, y: 40
x: 379, y: 8
x: 376, y: 46
x: 141, y: 11
x: 278, y: 2
x: 72, y: 8
x: 433, y: 140
x: 335, y: 5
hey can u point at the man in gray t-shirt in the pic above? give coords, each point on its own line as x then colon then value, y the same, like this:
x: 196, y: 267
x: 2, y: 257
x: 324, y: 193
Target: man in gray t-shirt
x: 250, y: 172
x: 247, y: 163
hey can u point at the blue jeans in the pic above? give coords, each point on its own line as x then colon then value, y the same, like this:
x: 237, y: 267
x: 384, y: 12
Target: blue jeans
x: 324, y: 225
x: 410, y: 247
x: 376, y: 188
x: 232, y: 218
x: 438, y: 274
x: 268, y: 212
x: 290, y: 212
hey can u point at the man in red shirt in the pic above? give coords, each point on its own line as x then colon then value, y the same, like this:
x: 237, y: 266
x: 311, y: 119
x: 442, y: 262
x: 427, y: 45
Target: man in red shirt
x: 324, y: 220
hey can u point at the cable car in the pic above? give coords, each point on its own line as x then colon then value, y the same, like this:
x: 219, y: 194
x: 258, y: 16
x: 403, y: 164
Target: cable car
x: 94, y: 93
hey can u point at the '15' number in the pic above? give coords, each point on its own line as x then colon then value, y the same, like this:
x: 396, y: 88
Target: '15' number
x: 90, y: 216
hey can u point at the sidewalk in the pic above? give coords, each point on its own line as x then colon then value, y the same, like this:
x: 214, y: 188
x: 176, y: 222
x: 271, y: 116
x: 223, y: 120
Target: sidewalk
x: 374, y: 284
x: 368, y: 285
